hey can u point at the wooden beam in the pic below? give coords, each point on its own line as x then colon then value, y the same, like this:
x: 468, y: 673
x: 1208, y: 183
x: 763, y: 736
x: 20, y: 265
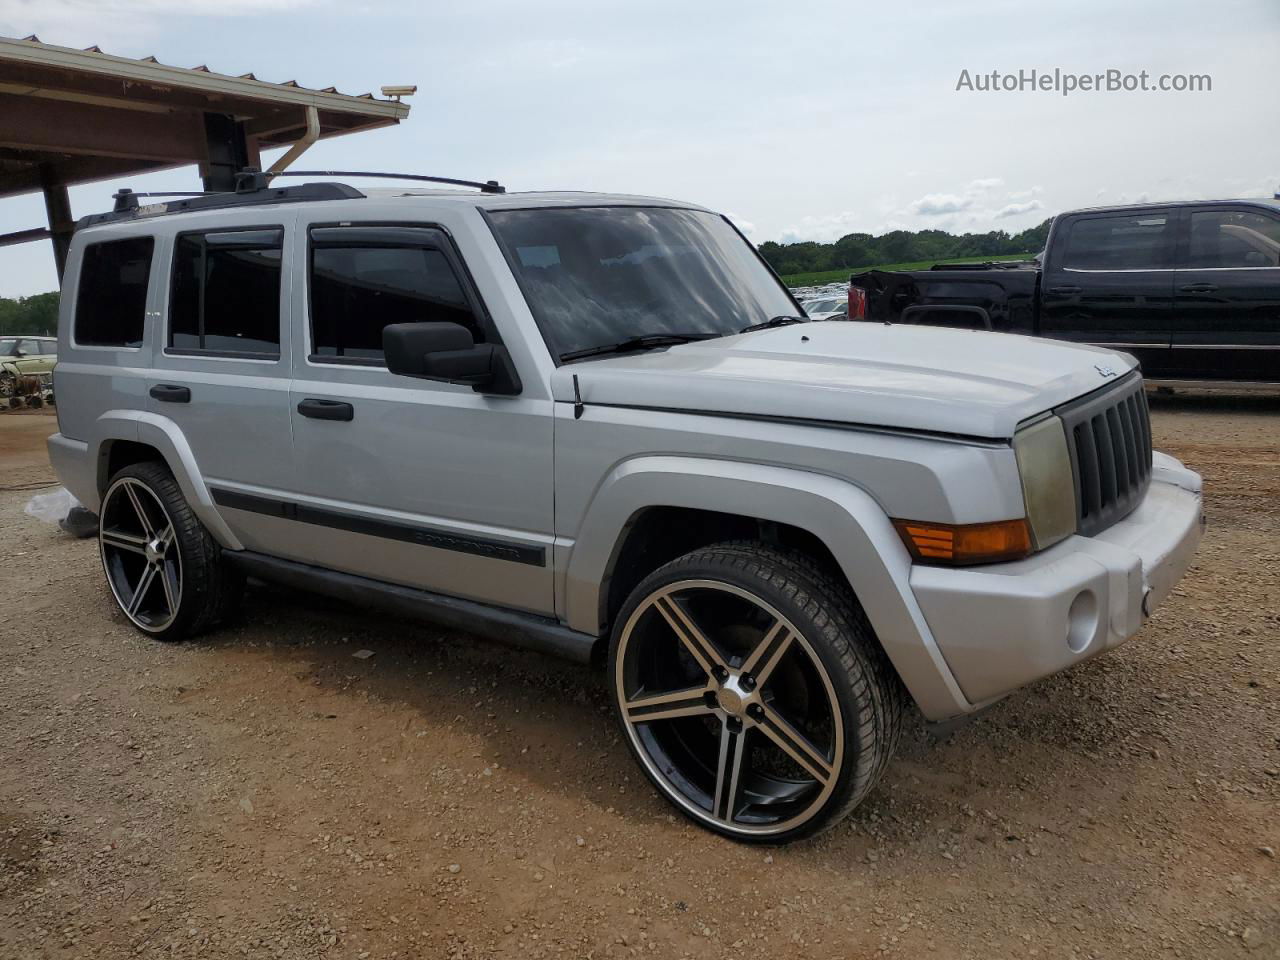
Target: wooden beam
x: 57, y: 205
x: 76, y: 170
x: 24, y: 236
x: 63, y: 127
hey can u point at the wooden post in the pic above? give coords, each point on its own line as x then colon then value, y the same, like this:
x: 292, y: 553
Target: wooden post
x: 57, y: 205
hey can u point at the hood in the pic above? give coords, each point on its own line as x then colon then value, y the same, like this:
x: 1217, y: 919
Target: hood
x: 964, y: 382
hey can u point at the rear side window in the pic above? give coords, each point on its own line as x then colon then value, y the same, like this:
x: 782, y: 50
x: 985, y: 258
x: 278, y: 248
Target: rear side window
x: 1142, y: 242
x: 226, y: 293
x: 111, y: 300
x: 365, y: 278
x: 1226, y: 239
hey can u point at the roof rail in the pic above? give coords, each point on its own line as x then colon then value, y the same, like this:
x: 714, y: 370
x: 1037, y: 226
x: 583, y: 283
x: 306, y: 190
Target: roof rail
x: 488, y: 186
x: 253, y: 186
x: 127, y: 206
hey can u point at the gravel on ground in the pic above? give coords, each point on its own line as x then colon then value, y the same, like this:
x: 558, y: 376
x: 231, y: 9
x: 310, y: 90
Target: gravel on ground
x: 273, y: 790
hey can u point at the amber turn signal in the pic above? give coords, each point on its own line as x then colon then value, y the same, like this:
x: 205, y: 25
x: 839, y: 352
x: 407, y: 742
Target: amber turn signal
x: 962, y: 544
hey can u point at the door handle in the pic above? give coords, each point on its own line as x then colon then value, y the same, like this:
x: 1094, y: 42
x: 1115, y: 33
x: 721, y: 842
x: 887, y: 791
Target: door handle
x: 170, y: 393
x: 1066, y: 291
x: 1198, y: 288
x: 327, y: 410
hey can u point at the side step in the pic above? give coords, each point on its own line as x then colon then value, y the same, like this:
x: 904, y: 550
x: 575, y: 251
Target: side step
x: 512, y: 627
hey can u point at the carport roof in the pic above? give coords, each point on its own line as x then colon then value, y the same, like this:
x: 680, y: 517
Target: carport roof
x: 74, y: 116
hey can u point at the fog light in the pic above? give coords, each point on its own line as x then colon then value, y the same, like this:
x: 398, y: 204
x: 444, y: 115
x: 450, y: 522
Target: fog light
x: 1082, y: 621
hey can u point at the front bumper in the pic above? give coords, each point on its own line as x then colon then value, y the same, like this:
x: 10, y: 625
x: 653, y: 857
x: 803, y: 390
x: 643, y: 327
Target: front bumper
x: 1002, y: 626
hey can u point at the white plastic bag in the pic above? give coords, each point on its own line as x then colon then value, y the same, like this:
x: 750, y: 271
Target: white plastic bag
x: 51, y: 507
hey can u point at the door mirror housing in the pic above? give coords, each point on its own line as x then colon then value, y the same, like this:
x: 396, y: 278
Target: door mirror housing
x: 446, y: 352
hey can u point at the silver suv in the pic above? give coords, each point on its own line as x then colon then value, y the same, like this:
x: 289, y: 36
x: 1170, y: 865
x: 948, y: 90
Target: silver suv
x: 597, y: 425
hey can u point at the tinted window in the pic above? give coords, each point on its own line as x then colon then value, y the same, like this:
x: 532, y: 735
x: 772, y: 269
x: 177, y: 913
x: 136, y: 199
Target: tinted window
x: 1223, y: 239
x: 226, y: 293
x: 7, y: 346
x: 597, y: 275
x: 1142, y: 242
x: 111, y: 301
x: 358, y: 290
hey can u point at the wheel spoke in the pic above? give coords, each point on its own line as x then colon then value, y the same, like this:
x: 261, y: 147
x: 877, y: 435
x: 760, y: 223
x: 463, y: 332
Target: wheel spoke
x: 165, y: 537
x: 776, y: 642
x: 695, y: 641
x: 728, y: 771
x: 143, y: 517
x: 690, y: 702
x: 794, y: 744
x: 140, y: 593
x: 168, y: 579
x: 124, y: 541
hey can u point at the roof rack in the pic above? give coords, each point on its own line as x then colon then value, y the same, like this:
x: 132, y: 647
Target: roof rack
x: 253, y: 186
x: 487, y: 186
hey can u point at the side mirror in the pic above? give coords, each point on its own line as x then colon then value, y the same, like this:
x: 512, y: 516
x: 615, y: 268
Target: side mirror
x: 445, y: 351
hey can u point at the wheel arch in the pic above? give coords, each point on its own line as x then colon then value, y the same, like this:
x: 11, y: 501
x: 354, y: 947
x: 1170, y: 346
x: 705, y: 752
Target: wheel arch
x: 704, y: 496
x: 127, y: 437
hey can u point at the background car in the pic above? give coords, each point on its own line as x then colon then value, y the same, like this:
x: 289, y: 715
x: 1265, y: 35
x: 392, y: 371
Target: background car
x: 22, y: 358
x: 827, y: 308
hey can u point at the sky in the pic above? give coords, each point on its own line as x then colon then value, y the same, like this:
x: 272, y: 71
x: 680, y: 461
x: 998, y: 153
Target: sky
x: 802, y: 121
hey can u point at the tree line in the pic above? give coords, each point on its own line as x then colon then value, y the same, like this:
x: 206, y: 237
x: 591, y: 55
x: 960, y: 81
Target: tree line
x: 898, y: 246
x: 37, y: 315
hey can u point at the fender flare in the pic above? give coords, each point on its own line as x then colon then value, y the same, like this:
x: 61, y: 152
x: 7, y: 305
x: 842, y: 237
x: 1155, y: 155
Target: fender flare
x: 166, y: 437
x: 843, y: 516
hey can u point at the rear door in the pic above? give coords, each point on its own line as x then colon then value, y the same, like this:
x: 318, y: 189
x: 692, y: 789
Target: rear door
x: 1109, y: 281
x: 222, y: 368
x: 1227, y: 297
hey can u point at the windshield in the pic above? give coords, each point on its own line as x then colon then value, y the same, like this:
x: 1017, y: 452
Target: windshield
x: 594, y: 276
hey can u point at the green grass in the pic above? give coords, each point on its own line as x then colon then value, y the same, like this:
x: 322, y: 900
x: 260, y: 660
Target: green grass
x: 832, y: 276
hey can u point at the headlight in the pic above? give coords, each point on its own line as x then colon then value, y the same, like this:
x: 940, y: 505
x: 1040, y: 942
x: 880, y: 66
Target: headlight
x: 1048, y: 489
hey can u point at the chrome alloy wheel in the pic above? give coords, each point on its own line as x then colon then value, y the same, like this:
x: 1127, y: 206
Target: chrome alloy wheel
x: 729, y: 708
x: 140, y: 554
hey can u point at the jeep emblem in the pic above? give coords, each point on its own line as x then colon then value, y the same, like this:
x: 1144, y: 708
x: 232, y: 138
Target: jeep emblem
x: 1105, y: 371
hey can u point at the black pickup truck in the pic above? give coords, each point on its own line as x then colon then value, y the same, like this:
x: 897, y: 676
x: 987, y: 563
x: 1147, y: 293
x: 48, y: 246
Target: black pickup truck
x: 1191, y: 289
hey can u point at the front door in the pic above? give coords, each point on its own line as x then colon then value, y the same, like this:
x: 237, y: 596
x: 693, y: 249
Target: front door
x: 1109, y: 282
x: 1227, y: 307
x: 415, y: 482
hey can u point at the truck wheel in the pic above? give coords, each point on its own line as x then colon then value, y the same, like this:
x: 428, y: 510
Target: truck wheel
x: 753, y: 692
x: 164, y: 570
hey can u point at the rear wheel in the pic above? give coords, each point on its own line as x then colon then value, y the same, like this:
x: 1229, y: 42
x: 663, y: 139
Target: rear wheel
x: 164, y: 570
x: 753, y: 692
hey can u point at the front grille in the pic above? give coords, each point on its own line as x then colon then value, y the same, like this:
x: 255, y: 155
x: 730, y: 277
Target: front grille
x: 1109, y: 436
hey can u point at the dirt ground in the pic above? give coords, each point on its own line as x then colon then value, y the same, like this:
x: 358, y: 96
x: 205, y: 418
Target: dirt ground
x: 262, y: 793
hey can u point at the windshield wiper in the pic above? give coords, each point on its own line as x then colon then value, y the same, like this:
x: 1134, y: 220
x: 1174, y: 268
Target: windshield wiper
x: 774, y: 322
x: 642, y: 342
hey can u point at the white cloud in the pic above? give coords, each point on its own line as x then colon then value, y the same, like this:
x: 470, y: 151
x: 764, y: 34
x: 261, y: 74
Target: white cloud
x: 988, y: 183
x: 1018, y: 196
x: 938, y: 204
x: 823, y: 228
x: 1017, y: 209
x: 65, y: 22
x: 746, y: 226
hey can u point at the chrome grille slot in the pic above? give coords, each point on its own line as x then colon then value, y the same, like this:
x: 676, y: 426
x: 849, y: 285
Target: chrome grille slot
x: 1110, y: 445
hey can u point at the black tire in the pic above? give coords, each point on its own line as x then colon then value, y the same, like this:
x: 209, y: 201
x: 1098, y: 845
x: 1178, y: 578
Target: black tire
x: 835, y: 639
x: 208, y: 590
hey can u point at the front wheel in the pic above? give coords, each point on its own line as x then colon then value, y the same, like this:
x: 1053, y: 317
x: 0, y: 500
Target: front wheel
x: 752, y: 691
x: 164, y: 570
